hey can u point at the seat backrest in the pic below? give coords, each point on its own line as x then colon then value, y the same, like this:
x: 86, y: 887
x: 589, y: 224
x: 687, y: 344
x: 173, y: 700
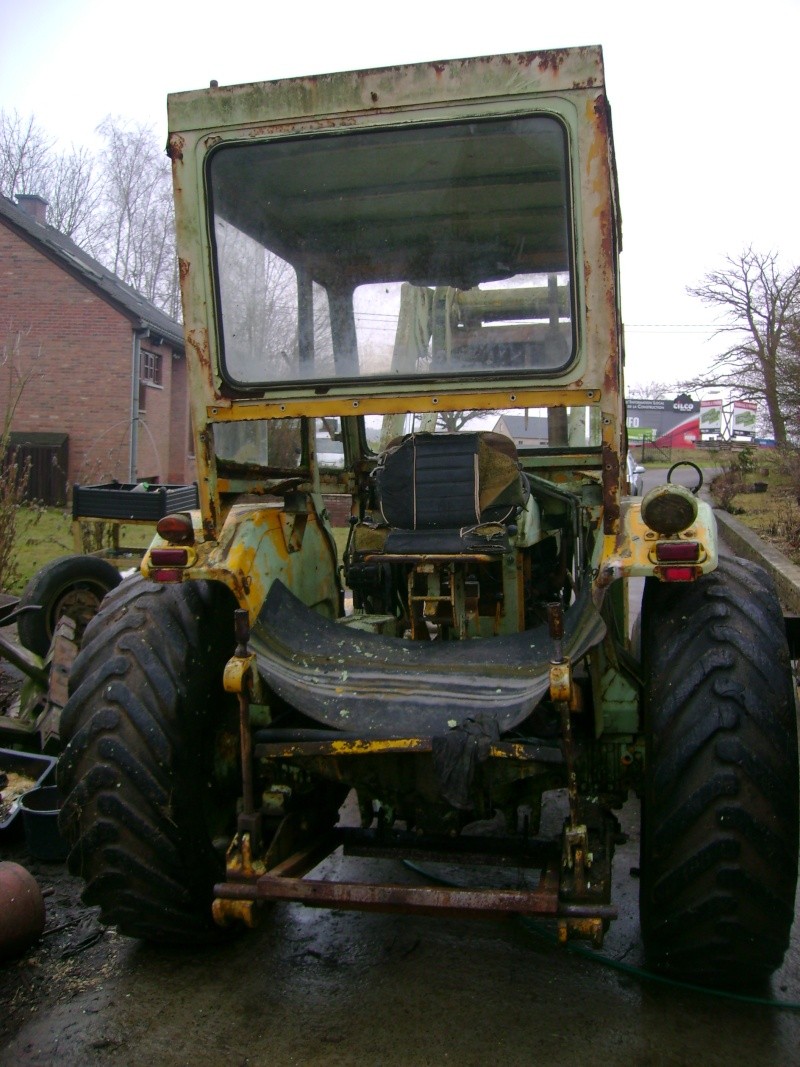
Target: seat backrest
x: 429, y: 481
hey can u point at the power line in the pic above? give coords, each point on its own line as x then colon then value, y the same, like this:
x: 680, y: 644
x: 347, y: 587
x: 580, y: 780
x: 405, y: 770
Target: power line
x: 672, y: 327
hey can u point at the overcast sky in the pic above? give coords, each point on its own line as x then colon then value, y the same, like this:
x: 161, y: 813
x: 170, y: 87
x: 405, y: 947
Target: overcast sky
x: 704, y: 98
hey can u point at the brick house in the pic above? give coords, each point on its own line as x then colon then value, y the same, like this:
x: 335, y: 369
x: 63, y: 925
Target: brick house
x: 107, y: 393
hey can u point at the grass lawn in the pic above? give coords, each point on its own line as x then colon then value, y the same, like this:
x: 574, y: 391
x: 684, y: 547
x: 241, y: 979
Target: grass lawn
x: 42, y: 534
x: 46, y: 533
x: 774, y: 515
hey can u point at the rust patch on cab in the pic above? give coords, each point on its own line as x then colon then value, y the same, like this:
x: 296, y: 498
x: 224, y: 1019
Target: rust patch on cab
x: 175, y: 146
x: 551, y: 60
x: 611, y: 465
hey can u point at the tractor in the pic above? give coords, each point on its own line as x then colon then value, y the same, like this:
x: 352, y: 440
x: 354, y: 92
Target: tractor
x: 405, y: 618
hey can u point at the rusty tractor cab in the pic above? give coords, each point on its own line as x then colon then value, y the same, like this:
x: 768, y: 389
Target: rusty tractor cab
x: 401, y: 301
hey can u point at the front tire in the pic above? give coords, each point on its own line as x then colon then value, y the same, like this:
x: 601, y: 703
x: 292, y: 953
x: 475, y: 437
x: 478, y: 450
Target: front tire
x: 720, y: 807
x: 140, y: 799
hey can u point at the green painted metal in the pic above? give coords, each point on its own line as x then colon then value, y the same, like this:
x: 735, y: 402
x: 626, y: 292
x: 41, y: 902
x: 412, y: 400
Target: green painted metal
x: 620, y: 700
x: 340, y: 96
x: 567, y: 84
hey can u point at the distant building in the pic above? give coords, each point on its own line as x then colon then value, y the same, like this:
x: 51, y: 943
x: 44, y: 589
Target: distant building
x: 107, y: 395
x: 526, y: 431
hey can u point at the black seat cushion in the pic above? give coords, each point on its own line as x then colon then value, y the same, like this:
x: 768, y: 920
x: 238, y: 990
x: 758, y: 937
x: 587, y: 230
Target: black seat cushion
x: 429, y: 481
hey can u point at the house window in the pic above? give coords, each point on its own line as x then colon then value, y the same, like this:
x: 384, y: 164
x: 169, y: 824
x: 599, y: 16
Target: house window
x: 151, y: 367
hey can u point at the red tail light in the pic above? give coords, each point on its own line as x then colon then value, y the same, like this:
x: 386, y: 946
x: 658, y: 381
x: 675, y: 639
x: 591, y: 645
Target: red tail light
x: 678, y: 574
x: 176, y: 529
x: 169, y: 557
x: 677, y: 551
x: 164, y: 575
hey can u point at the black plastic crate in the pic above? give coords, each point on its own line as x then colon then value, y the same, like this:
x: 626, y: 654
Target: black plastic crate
x: 136, y: 503
x: 37, y: 768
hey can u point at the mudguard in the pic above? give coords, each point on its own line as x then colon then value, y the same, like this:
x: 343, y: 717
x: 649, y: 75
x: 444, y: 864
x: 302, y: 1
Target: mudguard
x: 380, y: 686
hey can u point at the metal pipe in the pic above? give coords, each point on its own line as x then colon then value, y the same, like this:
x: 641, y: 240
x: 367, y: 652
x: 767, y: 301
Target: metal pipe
x: 136, y: 353
x: 19, y: 658
x: 395, y: 898
x: 242, y: 626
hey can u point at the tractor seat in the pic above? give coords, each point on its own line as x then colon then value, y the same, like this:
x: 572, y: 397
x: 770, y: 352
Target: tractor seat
x: 449, y: 493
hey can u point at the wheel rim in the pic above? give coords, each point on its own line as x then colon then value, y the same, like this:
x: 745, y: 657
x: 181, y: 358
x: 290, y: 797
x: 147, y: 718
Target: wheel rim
x: 80, y: 602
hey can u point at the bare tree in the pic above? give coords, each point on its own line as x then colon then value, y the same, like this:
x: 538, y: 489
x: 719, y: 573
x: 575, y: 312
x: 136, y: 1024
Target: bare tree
x: 789, y: 379
x: 651, y: 390
x: 454, y: 421
x: 26, y: 155
x: 72, y: 194
x: 30, y: 163
x: 135, y: 237
x: 761, y: 305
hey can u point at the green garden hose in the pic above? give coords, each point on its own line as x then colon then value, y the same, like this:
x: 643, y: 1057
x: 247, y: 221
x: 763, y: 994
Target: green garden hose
x: 625, y: 968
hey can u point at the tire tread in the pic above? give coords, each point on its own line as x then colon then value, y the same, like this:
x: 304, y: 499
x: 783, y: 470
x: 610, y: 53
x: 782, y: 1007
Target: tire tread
x: 134, y: 772
x: 720, y: 808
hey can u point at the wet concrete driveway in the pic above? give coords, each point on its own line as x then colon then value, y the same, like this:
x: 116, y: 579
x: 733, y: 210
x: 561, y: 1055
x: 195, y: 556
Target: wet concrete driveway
x: 319, y: 987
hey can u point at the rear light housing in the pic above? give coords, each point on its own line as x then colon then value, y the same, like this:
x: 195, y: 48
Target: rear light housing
x: 674, y: 560
x: 169, y: 564
x: 668, y: 509
x: 176, y: 529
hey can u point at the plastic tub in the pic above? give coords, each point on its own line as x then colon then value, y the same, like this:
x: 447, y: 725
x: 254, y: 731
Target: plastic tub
x: 37, y: 769
x: 40, y: 809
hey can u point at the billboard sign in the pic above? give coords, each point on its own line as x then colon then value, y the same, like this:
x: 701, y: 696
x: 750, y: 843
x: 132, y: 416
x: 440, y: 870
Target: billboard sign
x: 674, y: 422
x: 711, y: 417
x: 744, y: 418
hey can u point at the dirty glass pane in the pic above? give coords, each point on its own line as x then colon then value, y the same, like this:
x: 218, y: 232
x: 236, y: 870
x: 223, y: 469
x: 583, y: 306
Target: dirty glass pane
x: 533, y: 428
x: 273, y: 443
x: 330, y: 449
x: 529, y: 428
x: 425, y: 251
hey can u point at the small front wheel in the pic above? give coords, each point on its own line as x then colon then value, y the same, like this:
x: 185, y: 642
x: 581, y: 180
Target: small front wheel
x: 73, y: 586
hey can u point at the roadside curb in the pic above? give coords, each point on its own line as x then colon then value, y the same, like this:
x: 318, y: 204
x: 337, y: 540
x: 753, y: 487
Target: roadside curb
x: 744, y: 542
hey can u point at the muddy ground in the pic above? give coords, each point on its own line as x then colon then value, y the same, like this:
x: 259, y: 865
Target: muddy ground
x: 341, y: 988
x: 320, y: 987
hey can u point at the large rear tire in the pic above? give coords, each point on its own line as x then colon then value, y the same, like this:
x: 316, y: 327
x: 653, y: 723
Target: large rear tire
x: 720, y: 807
x: 140, y: 799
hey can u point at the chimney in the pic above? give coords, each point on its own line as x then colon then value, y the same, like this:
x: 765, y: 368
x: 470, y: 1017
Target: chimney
x: 34, y: 205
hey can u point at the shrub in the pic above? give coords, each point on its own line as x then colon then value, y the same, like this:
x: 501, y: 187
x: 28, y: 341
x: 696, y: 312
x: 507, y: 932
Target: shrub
x: 14, y: 477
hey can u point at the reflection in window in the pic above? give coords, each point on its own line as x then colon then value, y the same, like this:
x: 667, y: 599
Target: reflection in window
x: 275, y: 443
x: 435, y: 250
x: 262, y: 305
x: 330, y: 447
